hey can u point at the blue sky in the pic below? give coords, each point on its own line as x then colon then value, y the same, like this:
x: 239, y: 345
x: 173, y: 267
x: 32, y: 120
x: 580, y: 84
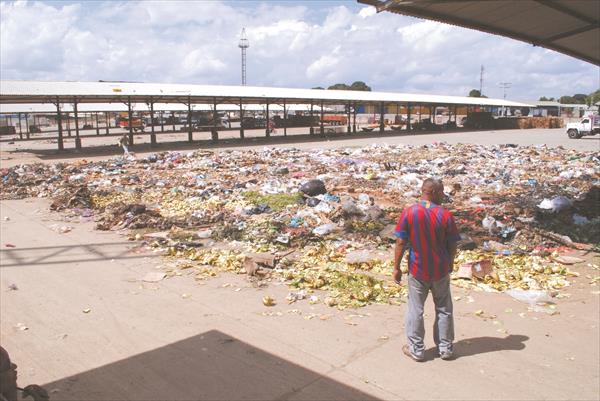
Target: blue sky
x: 292, y: 44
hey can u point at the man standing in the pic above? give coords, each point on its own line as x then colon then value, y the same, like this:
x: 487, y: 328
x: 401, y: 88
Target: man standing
x: 429, y: 232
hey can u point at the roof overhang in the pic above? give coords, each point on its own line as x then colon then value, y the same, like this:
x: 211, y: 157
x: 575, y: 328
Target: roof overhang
x: 568, y: 26
x: 16, y: 92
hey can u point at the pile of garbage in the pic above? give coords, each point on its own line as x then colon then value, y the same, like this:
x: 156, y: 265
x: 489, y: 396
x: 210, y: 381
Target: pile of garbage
x: 324, y: 219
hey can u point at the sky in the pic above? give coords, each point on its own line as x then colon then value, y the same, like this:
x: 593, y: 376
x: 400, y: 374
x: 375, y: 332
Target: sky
x: 296, y: 44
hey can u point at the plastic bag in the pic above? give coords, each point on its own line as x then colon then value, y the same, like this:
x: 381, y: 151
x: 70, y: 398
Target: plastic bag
x: 324, y: 229
x: 532, y: 297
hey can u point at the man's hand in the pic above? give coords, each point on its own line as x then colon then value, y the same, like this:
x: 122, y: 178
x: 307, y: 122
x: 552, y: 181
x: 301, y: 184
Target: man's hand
x: 398, y: 255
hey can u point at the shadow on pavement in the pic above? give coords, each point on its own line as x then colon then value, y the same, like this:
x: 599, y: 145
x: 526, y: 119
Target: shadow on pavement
x: 209, y: 366
x: 64, y: 254
x: 481, y: 345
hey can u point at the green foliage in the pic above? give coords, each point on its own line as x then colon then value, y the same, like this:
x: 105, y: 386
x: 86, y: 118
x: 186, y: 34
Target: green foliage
x: 360, y: 86
x: 276, y: 202
x: 356, y: 86
x: 341, y: 87
x: 474, y: 93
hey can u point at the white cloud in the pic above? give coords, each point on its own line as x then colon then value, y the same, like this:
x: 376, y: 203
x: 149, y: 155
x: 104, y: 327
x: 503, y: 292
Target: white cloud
x: 367, y: 12
x: 306, y: 45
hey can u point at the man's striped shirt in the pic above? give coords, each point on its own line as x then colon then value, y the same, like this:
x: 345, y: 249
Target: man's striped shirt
x: 428, y: 228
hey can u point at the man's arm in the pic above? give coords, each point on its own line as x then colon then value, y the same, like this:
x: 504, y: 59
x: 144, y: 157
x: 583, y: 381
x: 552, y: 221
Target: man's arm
x: 451, y: 246
x: 398, y: 255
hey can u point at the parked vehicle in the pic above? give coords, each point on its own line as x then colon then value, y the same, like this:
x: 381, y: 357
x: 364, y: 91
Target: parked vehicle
x: 588, y: 126
x: 136, y: 125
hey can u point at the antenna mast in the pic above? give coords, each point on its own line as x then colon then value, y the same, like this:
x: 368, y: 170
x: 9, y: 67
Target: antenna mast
x: 481, y: 81
x: 243, y: 44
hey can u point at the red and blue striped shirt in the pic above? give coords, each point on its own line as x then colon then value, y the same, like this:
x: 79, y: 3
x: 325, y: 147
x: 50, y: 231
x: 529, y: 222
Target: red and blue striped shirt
x: 428, y: 228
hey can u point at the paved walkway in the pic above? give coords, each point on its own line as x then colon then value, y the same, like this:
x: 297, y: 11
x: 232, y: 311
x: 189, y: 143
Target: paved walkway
x: 149, y: 341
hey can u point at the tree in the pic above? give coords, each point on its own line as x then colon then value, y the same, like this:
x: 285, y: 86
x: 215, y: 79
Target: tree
x: 593, y: 97
x: 474, y: 93
x: 341, y: 87
x: 566, y: 100
x: 360, y: 86
x: 580, y: 98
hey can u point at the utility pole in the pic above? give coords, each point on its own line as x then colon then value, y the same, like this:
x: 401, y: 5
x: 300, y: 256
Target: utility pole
x: 243, y: 44
x: 481, y: 81
x: 504, y: 86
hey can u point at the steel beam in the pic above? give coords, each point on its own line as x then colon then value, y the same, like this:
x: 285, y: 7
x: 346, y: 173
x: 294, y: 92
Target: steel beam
x: 311, y: 130
x: 130, y: 124
x: 241, y: 120
x: 408, y: 117
x: 20, y: 127
x: 27, y: 125
x: 189, y: 121
x: 152, y: 133
x: 354, y: 119
x: 61, y: 146
x: 268, y: 134
x: 381, y: 117
x: 215, y: 133
x: 77, y: 138
x: 322, y: 128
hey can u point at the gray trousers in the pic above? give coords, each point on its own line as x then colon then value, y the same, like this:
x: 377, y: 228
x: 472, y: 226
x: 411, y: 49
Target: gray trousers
x: 443, y: 329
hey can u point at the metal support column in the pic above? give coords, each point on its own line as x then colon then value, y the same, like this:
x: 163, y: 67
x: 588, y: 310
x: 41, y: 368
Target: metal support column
x: 241, y: 120
x: 107, y: 122
x: 77, y: 139
x: 68, y: 125
x: 61, y: 146
x: 312, y: 118
x: 381, y: 116
x: 215, y: 133
x: 284, y: 119
x: 152, y: 133
x: 162, y: 122
x: 322, y: 128
x: 27, y: 125
x: 97, y: 125
x: 20, y: 127
x: 189, y: 121
x: 354, y: 118
x: 268, y: 134
x: 408, y: 117
x: 130, y: 123
x: 349, y: 122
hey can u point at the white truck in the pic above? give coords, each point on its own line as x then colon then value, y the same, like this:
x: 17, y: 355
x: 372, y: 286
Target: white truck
x: 588, y: 126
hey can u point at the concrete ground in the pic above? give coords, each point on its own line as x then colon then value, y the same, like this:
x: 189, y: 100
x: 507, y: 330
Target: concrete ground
x: 77, y: 318
x: 100, y: 147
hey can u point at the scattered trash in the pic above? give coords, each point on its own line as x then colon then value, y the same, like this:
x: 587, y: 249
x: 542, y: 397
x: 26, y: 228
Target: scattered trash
x: 21, y: 327
x: 12, y: 287
x: 327, y: 217
x: 86, y: 310
x: 268, y: 301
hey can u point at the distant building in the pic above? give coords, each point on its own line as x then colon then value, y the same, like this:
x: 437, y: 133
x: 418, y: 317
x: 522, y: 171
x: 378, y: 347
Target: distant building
x: 546, y: 108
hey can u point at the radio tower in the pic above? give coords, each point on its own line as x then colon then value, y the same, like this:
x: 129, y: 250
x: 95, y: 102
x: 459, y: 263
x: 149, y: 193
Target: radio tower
x: 244, y: 44
x: 481, y: 81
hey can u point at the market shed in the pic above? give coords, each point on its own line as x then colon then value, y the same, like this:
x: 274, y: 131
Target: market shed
x: 571, y: 27
x: 61, y: 94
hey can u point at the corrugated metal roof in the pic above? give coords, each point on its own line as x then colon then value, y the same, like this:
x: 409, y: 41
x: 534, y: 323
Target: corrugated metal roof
x: 568, y: 26
x: 111, y: 92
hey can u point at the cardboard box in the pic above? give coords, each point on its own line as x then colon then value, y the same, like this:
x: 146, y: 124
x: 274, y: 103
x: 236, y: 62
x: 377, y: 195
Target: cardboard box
x: 477, y: 269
